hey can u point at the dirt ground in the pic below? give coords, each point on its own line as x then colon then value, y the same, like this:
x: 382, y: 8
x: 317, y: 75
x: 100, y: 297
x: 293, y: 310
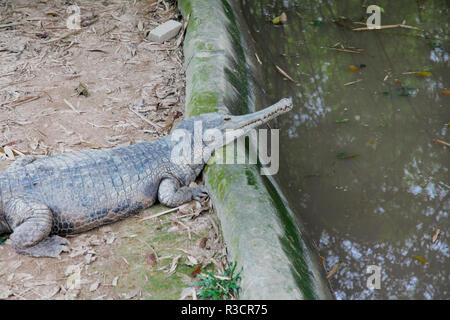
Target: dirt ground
x: 104, y: 85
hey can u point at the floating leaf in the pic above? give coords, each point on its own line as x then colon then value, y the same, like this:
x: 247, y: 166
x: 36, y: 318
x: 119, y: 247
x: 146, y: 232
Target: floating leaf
x: 342, y: 121
x: 435, y: 44
x: 353, y: 68
x: 282, y: 18
x: 333, y: 271
x: 421, y: 259
x: 435, y: 235
x: 423, y: 73
x: 353, y: 155
x: 445, y: 92
x: 343, y: 155
x: 53, y: 14
x: 320, y: 259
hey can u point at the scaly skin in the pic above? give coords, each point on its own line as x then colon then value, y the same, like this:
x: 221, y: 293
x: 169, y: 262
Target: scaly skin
x: 72, y: 193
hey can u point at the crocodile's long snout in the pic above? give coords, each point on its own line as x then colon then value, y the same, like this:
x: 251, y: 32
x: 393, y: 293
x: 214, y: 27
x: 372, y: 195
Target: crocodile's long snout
x: 252, y: 120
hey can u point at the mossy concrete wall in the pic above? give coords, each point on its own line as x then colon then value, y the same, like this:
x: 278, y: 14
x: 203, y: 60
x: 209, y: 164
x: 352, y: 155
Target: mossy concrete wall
x: 258, y: 227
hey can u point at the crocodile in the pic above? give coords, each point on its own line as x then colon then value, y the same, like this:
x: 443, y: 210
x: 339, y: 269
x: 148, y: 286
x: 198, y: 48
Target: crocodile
x: 42, y: 200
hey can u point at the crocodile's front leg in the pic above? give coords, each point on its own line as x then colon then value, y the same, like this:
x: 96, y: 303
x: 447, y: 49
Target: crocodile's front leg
x: 32, y: 223
x: 172, y: 195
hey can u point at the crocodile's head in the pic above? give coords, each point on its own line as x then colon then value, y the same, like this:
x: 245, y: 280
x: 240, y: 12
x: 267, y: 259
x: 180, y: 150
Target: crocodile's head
x: 200, y: 136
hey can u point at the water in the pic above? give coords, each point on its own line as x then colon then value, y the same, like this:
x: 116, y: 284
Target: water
x: 357, y: 162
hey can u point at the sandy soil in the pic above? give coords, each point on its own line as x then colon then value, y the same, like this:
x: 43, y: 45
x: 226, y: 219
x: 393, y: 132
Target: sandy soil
x: 135, y: 92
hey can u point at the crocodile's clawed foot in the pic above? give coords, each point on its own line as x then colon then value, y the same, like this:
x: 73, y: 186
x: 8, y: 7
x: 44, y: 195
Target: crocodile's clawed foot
x: 199, y: 192
x: 49, y: 247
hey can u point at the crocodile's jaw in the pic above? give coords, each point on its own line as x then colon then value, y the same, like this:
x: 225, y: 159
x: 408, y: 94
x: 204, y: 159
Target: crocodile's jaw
x: 252, y: 120
x: 234, y: 127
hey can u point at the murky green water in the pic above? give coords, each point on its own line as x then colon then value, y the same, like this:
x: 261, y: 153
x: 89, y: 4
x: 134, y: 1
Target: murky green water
x: 357, y: 162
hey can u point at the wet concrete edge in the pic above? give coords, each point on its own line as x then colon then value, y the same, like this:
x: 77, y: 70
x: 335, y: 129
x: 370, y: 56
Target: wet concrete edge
x: 277, y: 260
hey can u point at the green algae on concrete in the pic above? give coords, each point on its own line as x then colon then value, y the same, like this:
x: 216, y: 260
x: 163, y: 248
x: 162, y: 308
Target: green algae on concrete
x: 258, y: 227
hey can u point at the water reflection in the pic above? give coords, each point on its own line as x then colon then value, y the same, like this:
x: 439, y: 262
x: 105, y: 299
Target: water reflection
x: 383, y: 206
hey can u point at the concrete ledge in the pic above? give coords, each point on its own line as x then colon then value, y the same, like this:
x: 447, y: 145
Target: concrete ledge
x: 258, y: 227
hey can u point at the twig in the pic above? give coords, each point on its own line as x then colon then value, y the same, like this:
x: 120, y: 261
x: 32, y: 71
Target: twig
x: 258, y: 59
x: 391, y: 26
x: 442, y: 142
x: 125, y: 260
x: 160, y: 214
x: 346, y: 50
x: 109, y: 30
x: 15, y: 82
x: 72, y: 33
x: 352, y: 82
x: 146, y: 120
x: 299, y: 15
x: 284, y: 73
x: 25, y: 100
x: 340, y: 23
x: 71, y: 106
x: 11, y: 24
x: 6, y: 74
x: 183, y: 31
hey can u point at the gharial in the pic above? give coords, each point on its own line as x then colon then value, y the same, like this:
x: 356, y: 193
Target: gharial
x: 41, y: 199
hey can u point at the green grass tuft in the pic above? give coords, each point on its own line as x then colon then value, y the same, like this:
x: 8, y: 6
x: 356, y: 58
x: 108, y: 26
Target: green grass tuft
x: 224, y: 287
